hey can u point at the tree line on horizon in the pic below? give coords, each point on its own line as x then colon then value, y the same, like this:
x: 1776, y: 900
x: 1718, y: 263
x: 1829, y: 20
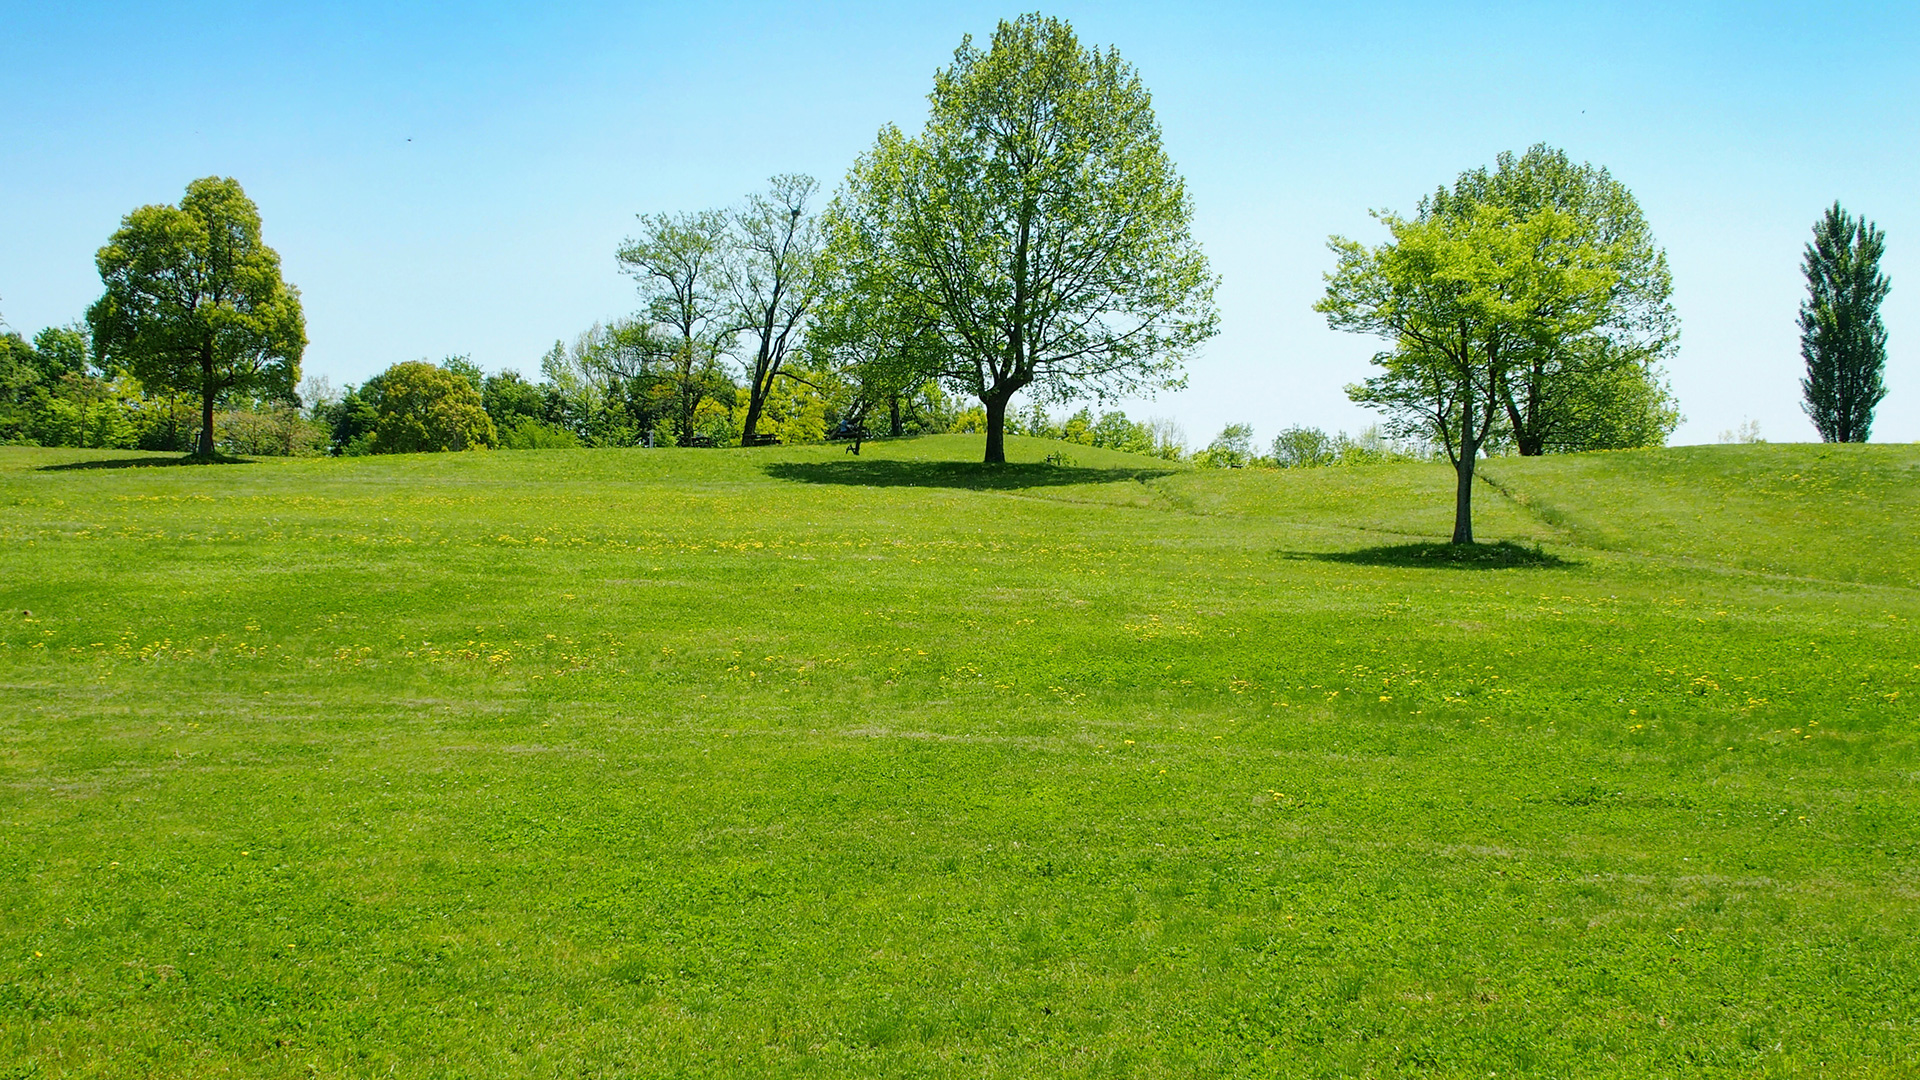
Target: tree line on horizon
x: 1033, y: 238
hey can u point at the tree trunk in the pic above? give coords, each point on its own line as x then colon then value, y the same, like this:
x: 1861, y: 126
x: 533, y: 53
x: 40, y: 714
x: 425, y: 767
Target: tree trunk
x: 1463, y: 475
x: 1463, y: 497
x: 894, y: 427
x: 996, y: 404
x: 754, y: 402
x: 206, y: 408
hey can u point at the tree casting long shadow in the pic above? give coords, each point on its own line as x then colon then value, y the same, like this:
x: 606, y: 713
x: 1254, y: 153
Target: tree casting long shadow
x: 1501, y: 556
x: 145, y: 463
x: 972, y: 475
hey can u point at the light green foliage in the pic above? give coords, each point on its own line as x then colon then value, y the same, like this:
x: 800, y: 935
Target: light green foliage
x: 795, y: 412
x: 86, y: 411
x: 971, y: 421
x: 1302, y: 447
x: 63, y: 351
x: 53, y: 394
x: 679, y: 263
x: 1467, y: 297
x: 1600, y: 388
x: 1109, y: 430
x: 464, y: 367
x: 1078, y: 428
x: 1034, y: 234
x: 516, y: 764
x: 194, y: 303
x: 1231, y: 449
x: 1843, y: 339
x: 1115, y: 432
x: 613, y: 386
x: 530, y: 433
x: 1607, y: 399
x: 774, y: 277
x: 270, y: 431
x: 419, y: 407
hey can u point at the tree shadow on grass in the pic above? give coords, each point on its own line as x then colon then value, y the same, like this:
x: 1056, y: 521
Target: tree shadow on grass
x: 1504, y: 555
x: 145, y: 463
x: 971, y: 475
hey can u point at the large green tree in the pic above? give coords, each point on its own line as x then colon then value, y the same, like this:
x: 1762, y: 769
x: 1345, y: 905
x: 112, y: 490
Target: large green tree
x: 1464, y: 298
x: 195, y: 304
x: 1035, y: 228
x: 1842, y: 336
x: 1601, y: 389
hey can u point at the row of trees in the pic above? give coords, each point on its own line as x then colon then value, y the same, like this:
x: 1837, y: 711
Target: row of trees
x: 1033, y: 238
x: 56, y: 391
x: 579, y: 402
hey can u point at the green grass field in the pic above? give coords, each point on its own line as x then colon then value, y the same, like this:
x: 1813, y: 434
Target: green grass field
x: 788, y: 763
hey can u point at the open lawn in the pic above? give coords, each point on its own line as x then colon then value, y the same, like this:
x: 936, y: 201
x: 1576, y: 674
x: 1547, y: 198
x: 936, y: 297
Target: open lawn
x: 788, y: 763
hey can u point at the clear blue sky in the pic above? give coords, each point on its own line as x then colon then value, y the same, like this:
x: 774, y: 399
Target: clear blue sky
x: 444, y: 181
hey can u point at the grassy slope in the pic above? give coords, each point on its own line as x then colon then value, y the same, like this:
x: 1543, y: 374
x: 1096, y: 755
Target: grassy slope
x: 779, y: 762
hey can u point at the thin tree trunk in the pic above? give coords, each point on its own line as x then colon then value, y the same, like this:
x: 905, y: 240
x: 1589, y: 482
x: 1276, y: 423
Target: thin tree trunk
x: 206, y: 407
x: 894, y: 427
x: 1463, y: 499
x: 1463, y: 476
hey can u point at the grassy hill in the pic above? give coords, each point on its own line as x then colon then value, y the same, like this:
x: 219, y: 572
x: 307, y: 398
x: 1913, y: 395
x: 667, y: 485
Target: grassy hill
x: 783, y: 762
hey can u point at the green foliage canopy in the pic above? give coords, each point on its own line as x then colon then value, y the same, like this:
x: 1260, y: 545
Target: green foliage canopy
x: 420, y: 407
x: 1034, y: 233
x: 195, y: 304
x: 678, y: 262
x: 1466, y: 297
x: 1600, y: 389
x: 774, y: 275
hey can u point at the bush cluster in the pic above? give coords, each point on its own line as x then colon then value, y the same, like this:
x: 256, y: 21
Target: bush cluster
x: 54, y: 392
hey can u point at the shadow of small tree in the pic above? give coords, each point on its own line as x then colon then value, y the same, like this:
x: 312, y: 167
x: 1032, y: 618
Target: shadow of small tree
x: 971, y: 475
x: 1504, y: 555
x: 146, y: 463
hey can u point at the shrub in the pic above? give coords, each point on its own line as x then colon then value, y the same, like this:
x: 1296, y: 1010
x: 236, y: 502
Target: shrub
x: 420, y: 407
x: 1300, y: 447
x: 526, y: 433
x: 1231, y: 449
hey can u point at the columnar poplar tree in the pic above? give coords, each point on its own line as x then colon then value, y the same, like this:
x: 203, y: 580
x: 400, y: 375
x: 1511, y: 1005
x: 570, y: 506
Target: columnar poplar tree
x: 194, y: 302
x: 1035, y: 229
x: 1842, y: 336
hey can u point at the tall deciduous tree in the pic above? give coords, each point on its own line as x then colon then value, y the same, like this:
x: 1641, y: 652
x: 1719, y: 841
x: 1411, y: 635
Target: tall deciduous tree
x: 1035, y: 227
x: 1842, y: 336
x: 195, y: 303
x: 1602, y: 389
x: 679, y: 263
x: 773, y: 278
x: 1463, y: 297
